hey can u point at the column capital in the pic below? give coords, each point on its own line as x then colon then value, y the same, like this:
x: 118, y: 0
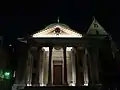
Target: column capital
x: 50, y: 47
x: 39, y: 47
x: 75, y: 49
x: 64, y: 47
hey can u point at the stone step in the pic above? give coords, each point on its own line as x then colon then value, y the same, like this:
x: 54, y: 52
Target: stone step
x: 60, y: 88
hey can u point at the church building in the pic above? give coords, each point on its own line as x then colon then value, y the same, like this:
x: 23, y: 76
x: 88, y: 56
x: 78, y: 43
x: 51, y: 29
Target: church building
x: 60, y: 56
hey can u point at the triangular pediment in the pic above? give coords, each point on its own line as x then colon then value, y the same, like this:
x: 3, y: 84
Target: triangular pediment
x: 96, y: 29
x: 57, y: 30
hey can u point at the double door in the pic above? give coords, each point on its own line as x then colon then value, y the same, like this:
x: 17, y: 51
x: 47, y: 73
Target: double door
x: 57, y: 74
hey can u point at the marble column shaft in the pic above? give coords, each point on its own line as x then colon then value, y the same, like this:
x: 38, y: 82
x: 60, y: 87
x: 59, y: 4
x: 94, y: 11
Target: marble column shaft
x: 86, y: 80
x: 65, y: 66
x: 29, y: 68
x: 49, y: 70
x: 41, y: 67
x: 93, y: 63
x: 22, y: 60
x: 77, y: 67
x: 73, y: 67
x: 38, y: 65
x: 97, y: 65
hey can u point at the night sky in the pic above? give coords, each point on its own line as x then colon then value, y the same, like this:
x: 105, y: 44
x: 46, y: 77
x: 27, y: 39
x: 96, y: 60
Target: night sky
x: 18, y: 19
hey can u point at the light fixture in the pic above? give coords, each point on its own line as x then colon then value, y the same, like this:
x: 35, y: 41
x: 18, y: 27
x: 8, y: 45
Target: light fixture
x: 10, y: 45
x: 72, y: 84
x: 46, y: 48
x: 42, y: 84
x: 85, y: 84
x: 14, y: 73
x: 69, y: 48
x: 29, y: 84
x: 7, y: 75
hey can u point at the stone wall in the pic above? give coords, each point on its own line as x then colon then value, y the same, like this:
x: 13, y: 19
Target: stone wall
x: 21, y: 57
x: 4, y: 58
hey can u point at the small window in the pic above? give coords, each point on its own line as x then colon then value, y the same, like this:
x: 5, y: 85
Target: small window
x: 95, y: 25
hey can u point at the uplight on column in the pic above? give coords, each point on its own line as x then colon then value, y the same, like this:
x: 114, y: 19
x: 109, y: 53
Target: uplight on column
x: 29, y: 84
x: 86, y: 83
x: 72, y: 83
x: 46, y: 48
x: 68, y: 48
x: 42, y: 84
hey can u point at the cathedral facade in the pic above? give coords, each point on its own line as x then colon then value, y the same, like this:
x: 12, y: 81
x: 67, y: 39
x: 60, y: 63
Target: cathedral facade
x: 60, y: 56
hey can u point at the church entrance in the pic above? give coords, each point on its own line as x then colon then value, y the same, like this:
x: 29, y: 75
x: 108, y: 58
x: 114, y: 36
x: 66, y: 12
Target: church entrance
x: 57, y: 74
x: 57, y: 66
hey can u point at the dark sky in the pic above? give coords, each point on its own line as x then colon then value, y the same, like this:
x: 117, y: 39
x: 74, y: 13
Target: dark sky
x: 19, y: 19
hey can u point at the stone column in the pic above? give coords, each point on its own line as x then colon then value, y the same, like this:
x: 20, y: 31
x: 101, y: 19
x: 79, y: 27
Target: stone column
x: 69, y: 66
x: 77, y: 67
x: 73, y: 67
x: 38, y: 66
x: 85, y: 68
x: 20, y: 75
x: 93, y: 64
x: 49, y: 70
x: 89, y: 67
x: 29, y: 68
x: 65, y: 66
x: 96, y: 61
x: 97, y: 65
x: 41, y: 67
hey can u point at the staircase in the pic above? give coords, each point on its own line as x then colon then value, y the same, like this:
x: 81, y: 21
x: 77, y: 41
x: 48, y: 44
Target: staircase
x: 60, y: 88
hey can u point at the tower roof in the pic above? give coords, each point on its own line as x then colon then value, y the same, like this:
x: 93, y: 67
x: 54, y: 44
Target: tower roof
x: 95, y: 28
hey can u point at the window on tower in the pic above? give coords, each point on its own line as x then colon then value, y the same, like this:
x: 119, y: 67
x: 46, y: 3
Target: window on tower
x: 95, y: 25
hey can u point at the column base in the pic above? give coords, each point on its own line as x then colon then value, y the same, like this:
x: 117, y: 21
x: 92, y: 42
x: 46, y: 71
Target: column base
x: 49, y: 84
x: 42, y: 84
x: 36, y: 85
x: 96, y: 86
x: 18, y: 86
x: 65, y: 84
x: 78, y: 85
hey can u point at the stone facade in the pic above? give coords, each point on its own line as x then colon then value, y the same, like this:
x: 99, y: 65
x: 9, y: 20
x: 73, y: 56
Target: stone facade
x: 82, y: 59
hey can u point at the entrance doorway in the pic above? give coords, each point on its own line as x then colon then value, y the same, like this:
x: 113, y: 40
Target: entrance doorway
x: 57, y: 74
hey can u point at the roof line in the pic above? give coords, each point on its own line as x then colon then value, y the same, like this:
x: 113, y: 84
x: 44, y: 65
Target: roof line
x: 91, y: 23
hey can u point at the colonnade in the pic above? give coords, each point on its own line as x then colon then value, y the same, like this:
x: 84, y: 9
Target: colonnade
x: 84, y: 67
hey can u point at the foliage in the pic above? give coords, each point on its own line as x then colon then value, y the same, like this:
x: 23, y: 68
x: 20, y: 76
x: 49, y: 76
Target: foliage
x: 5, y: 79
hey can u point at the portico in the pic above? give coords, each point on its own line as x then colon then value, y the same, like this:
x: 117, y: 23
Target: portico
x: 59, y: 66
x: 60, y: 45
